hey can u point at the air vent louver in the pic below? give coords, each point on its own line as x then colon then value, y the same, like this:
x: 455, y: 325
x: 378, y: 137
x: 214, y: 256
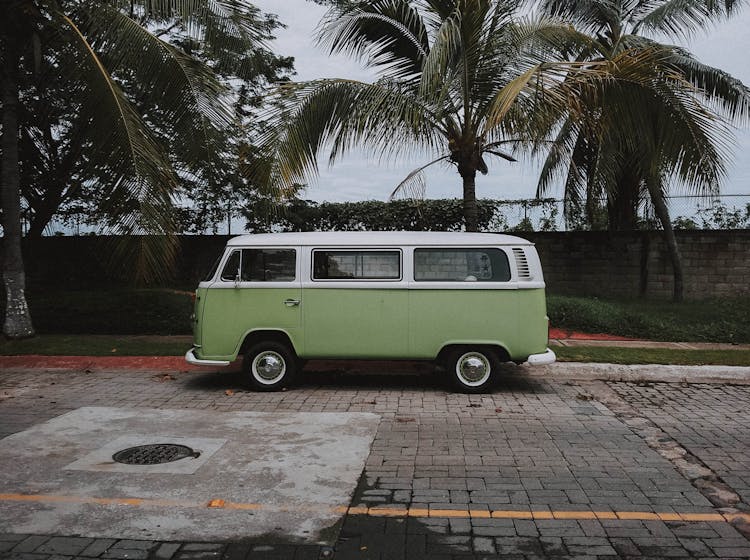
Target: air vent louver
x: 522, y: 264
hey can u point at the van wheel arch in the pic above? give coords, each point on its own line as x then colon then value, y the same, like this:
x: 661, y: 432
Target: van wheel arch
x: 472, y: 368
x: 255, y: 337
x: 502, y: 354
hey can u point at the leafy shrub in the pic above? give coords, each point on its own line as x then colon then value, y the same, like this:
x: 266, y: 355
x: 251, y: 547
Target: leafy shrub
x: 397, y: 215
x: 722, y: 320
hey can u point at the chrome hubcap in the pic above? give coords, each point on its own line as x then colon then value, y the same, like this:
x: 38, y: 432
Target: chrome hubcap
x: 268, y: 366
x: 473, y: 368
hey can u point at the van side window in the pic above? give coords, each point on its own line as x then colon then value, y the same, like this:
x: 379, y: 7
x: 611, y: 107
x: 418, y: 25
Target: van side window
x: 356, y: 265
x: 262, y: 265
x: 268, y: 265
x: 232, y: 267
x: 461, y: 265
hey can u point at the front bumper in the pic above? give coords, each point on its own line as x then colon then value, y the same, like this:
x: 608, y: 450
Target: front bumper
x: 543, y: 359
x: 191, y: 359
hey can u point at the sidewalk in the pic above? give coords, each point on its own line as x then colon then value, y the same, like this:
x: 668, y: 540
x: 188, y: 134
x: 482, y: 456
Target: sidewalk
x: 561, y: 337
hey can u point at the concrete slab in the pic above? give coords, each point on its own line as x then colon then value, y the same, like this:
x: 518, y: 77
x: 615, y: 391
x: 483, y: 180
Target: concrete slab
x: 282, y: 477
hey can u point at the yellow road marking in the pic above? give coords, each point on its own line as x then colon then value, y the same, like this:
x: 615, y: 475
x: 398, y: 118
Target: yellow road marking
x: 639, y: 515
x: 480, y: 513
x: 670, y: 516
x: 384, y: 511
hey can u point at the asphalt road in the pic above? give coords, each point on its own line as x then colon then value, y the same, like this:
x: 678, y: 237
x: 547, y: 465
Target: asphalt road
x: 540, y: 468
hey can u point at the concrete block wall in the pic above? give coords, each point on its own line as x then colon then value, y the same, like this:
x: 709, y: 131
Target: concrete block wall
x: 626, y: 265
x: 622, y: 265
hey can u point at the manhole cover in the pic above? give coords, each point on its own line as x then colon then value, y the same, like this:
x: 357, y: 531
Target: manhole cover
x: 154, y: 454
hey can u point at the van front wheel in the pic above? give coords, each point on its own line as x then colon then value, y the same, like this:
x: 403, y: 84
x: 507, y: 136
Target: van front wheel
x: 472, y: 370
x: 270, y: 366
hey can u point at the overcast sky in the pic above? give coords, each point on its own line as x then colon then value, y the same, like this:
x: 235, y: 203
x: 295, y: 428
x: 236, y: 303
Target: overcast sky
x: 357, y: 177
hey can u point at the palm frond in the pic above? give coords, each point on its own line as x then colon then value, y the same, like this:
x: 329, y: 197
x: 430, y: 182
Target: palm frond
x: 414, y: 185
x: 446, y: 49
x: 186, y: 94
x: 682, y: 18
x: 341, y: 114
x: 546, y: 38
x: 725, y: 92
x: 219, y: 23
x: 593, y: 16
x: 387, y: 34
x: 140, y: 200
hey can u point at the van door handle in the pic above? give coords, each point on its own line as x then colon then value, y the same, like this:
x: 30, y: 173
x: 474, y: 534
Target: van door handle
x: 291, y: 302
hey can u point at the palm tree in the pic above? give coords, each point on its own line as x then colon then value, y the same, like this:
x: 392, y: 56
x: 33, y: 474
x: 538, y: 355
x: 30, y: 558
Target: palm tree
x: 456, y: 79
x: 664, y: 120
x: 100, y: 49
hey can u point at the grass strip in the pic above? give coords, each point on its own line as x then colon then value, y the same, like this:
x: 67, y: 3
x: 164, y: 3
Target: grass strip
x: 667, y: 356
x: 96, y: 345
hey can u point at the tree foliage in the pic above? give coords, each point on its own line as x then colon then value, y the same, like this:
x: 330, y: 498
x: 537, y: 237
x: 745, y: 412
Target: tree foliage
x: 59, y: 176
x: 458, y: 80
x: 663, y: 119
x: 133, y: 95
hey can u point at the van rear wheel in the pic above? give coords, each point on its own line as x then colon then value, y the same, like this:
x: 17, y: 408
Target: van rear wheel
x: 270, y: 366
x: 472, y: 370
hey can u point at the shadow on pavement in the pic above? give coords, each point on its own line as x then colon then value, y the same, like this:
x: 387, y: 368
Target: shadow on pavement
x: 353, y: 375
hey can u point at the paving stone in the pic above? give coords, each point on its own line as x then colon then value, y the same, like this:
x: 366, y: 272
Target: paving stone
x: 30, y: 543
x: 98, y: 547
x: 66, y: 546
x: 591, y: 550
x: 482, y: 545
x: 126, y: 554
x: 515, y: 545
x: 131, y: 544
x: 6, y: 546
x: 166, y: 551
x: 449, y: 544
x: 525, y: 528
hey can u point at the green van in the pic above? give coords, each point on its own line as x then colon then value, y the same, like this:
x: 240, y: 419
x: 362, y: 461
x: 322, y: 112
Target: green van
x: 466, y: 300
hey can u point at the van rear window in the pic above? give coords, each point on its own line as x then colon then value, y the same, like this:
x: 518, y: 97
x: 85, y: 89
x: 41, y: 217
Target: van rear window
x: 461, y: 265
x: 356, y: 265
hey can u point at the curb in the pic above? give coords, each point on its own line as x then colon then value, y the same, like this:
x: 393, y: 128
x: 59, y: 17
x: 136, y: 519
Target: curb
x: 739, y: 375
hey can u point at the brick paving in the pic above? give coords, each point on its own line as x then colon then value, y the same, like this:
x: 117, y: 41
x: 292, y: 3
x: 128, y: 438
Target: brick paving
x: 719, y: 435
x: 532, y: 445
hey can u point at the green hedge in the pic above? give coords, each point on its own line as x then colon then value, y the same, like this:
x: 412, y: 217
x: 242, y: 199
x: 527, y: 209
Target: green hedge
x: 397, y: 215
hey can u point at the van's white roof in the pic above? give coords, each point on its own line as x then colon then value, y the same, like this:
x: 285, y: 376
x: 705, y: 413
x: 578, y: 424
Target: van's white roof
x: 376, y: 238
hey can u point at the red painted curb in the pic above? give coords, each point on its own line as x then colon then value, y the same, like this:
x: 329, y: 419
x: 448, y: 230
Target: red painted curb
x: 560, y: 334
x: 95, y: 363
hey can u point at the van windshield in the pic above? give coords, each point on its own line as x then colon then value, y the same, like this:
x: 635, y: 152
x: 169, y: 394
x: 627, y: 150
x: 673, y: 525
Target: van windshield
x: 212, y: 272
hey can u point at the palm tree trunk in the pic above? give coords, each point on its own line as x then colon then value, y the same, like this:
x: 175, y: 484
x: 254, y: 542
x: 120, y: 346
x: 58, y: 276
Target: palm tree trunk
x: 471, y: 212
x: 623, y: 206
x: 17, y: 318
x: 660, y: 206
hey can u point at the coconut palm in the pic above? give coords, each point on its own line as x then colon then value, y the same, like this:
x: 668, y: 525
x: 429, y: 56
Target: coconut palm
x: 664, y: 121
x: 457, y: 78
x: 100, y: 50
